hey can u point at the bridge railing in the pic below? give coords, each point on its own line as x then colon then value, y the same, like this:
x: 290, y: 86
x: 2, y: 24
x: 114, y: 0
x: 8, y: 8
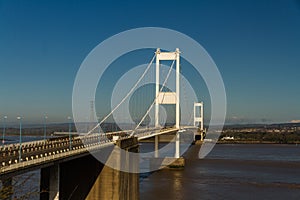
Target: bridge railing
x: 45, y: 150
x: 50, y: 157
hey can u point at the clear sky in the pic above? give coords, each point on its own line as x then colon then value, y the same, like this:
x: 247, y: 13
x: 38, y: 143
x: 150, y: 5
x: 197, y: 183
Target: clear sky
x: 255, y: 44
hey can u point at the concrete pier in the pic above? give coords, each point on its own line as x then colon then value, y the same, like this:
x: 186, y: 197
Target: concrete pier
x: 156, y: 141
x: 115, y: 184
x: 167, y: 162
x: 50, y: 181
x: 87, y: 178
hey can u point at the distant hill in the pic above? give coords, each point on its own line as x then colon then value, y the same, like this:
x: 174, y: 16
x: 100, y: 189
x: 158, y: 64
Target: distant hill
x: 275, y: 125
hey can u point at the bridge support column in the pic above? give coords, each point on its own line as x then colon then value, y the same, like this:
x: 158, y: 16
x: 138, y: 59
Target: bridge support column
x: 177, y: 145
x: 50, y: 183
x: 54, y: 182
x: 114, y: 184
x: 156, y: 141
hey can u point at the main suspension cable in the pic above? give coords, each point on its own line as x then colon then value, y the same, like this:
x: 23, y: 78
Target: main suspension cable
x: 128, y: 94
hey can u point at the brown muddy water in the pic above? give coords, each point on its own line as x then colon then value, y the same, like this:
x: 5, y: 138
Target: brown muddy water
x: 230, y: 171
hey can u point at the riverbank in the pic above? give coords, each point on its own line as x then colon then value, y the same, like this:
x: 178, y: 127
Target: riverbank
x: 254, y: 142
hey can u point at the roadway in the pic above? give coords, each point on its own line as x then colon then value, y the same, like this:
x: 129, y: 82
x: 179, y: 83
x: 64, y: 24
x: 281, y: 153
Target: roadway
x: 41, y: 153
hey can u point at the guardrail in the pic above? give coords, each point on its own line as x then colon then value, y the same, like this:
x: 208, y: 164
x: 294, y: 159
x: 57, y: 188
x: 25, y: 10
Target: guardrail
x: 54, y: 156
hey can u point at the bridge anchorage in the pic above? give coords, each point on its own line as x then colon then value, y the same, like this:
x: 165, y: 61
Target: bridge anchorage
x: 61, y: 159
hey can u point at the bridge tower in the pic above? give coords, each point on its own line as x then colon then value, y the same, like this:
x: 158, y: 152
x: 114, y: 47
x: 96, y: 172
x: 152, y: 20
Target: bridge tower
x: 167, y: 97
x: 199, y: 118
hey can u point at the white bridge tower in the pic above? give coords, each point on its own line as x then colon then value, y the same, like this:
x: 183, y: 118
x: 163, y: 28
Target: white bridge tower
x: 198, y: 119
x: 167, y: 97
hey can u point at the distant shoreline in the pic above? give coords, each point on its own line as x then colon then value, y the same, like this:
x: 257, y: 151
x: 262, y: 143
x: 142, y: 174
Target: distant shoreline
x: 254, y: 142
x: 163, y: 140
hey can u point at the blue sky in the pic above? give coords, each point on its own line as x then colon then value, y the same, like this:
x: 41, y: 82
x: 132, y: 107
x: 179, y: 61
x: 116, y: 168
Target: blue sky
x: 255, y: 45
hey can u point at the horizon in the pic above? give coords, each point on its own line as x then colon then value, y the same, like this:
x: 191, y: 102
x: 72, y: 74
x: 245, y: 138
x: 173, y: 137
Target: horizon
x: 15, y: 125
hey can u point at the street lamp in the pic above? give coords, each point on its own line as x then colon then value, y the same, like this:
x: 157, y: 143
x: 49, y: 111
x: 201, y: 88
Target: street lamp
x: 99, y: 129
x: 4, y: 129
x: 20, y: 140
x: 45, y: 126
x: 70, y: 138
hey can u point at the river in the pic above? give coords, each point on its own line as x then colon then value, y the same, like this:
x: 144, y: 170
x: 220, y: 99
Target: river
x: 230, y: 171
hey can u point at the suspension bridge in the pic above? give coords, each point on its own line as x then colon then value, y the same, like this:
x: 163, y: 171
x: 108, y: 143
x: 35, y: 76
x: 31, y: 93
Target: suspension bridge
x: 48, y: 155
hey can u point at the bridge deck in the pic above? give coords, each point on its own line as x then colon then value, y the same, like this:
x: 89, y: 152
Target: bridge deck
x: 38, y: 154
